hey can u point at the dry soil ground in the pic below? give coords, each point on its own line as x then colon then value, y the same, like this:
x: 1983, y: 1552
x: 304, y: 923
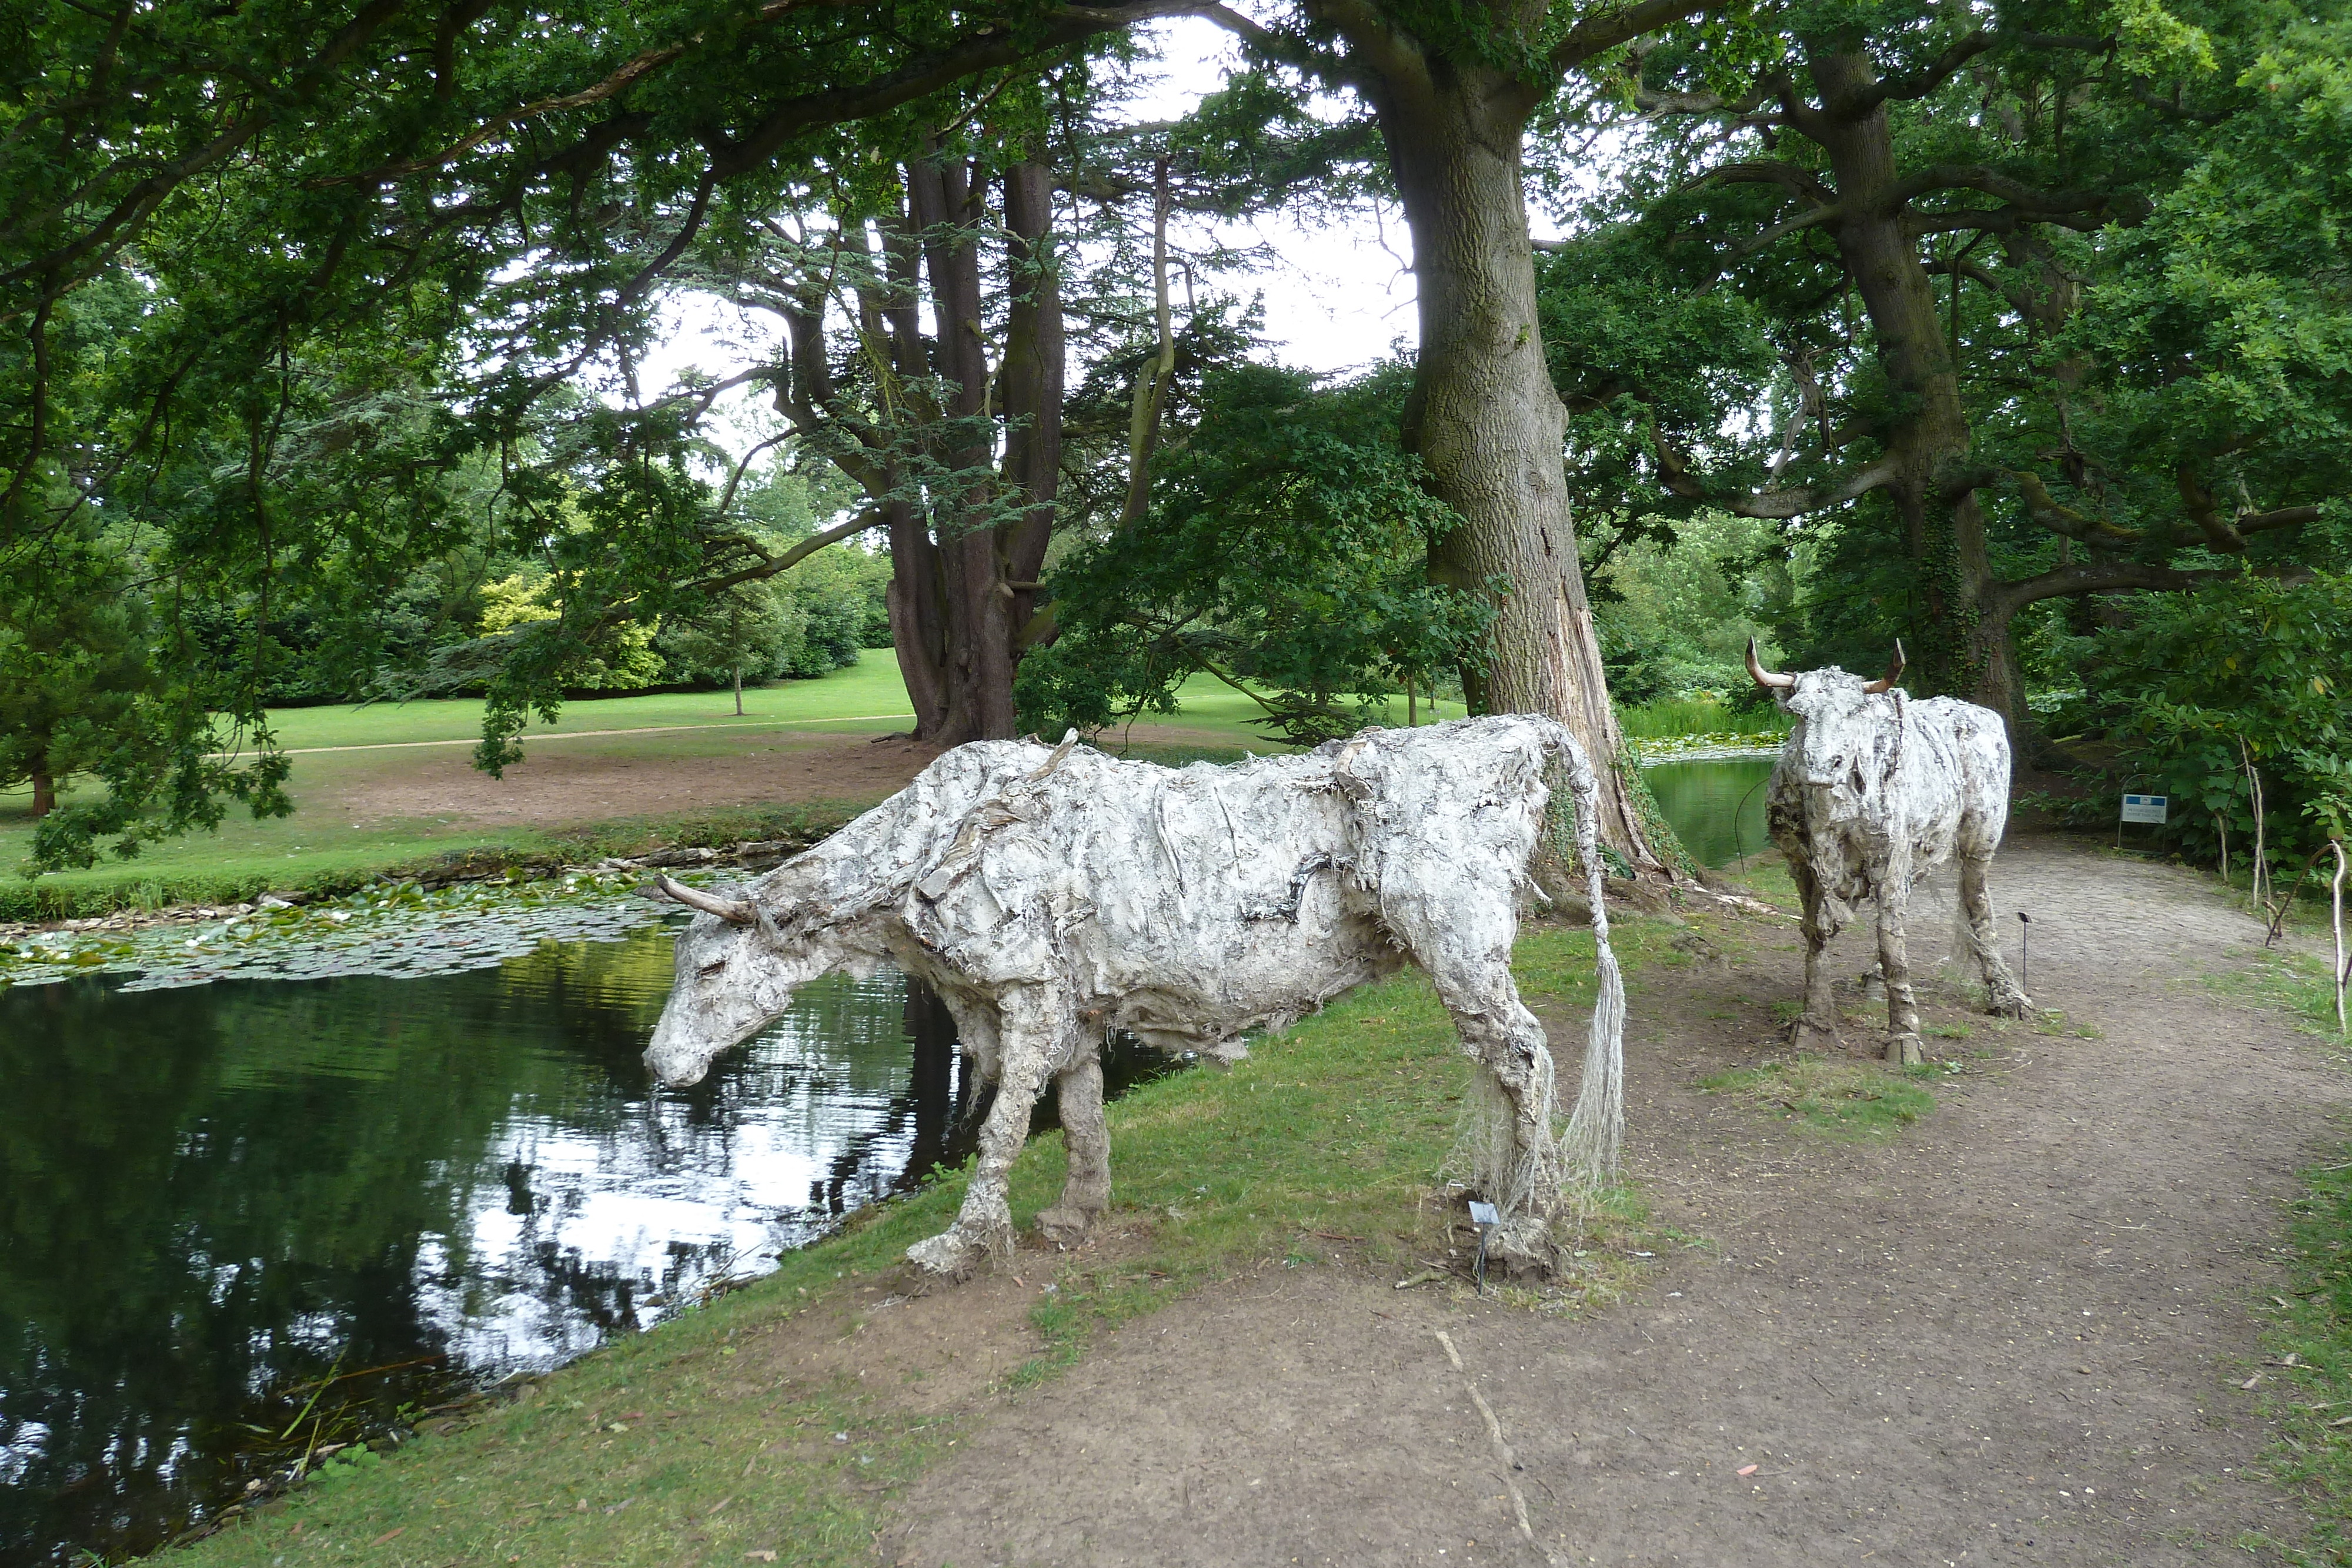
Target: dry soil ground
x: 2014, y: 1334
x: 567, y: 780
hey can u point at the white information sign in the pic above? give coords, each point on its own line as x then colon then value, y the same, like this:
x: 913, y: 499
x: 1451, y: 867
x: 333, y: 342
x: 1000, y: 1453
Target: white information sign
x: 2145, y: 807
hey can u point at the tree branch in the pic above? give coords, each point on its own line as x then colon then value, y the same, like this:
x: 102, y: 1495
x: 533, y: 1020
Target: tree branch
x: 2097, y: 577
x: 987, y: 49
x: 776, y: 565
x: 2016, y: 193
x: 1769, y: 171
x: 131, y: 213
x: 2045, y: 510
x: 1597, y: 35
x: 1674, y: 472
x: 1921, y: 82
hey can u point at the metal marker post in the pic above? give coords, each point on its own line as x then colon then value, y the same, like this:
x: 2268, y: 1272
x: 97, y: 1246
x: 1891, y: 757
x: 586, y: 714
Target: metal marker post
x: 1485, y: 1217
x: 2024, y: 929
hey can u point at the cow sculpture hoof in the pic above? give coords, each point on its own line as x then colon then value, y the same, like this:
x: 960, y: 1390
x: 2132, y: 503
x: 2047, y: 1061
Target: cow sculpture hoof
x: 1065, y: 1226
x: 1811, y: 1034
x: 950, y: 1254
x: 1904, y: 1049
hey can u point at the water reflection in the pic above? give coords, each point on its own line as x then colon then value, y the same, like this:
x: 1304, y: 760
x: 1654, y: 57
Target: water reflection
x: 1717, y: 805
x: 214, y: 1197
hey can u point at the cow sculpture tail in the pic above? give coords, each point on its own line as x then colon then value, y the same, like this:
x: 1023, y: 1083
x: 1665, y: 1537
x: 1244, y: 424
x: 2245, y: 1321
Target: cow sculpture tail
x: 1596, y: 1129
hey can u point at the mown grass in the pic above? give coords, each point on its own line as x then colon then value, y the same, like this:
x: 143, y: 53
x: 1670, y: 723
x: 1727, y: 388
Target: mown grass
x: 1336, y: 1129
x: 319, y: 850
x: 1838, y: 1098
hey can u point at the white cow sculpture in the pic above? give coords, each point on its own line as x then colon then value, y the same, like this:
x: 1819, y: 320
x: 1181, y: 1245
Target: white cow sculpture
x: 1871, y: 792
x: 1051, y: 896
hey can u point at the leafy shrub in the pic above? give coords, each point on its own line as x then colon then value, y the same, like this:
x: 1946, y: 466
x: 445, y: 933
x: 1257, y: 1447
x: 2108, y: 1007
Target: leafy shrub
x: 2199, y: 686
x: 1285, y: 553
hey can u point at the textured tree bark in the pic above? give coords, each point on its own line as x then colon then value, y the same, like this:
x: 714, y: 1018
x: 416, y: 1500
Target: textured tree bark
x: 45, y: 795
x: 1944, y: 533
x: 1033, y: 382
x: 1483, y: 415
x: 963, y: 575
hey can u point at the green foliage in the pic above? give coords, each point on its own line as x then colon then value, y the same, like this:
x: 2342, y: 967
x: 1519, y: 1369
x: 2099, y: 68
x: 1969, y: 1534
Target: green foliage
x: 749, y: 629
x: 2196, y: 687
x: 1674, y: 614
x: 1285, y: 553
x: 838, y: 594
x: 83, y: 693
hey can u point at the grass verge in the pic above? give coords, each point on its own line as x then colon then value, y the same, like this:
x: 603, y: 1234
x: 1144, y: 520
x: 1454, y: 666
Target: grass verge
x: 2309, y: 1368
x: 703, y: 1442
x: 1841, y: 1099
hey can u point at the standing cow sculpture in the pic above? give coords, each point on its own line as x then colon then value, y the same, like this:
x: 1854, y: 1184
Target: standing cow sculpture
x: 1871, y: 792
x: 1050, y: 896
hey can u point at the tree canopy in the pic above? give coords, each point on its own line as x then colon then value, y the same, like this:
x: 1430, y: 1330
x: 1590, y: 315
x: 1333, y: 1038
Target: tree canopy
x: 323, y: 327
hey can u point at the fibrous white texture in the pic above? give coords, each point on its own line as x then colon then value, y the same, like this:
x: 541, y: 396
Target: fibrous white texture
x: 1871, y: 792
x: 1052, y: 896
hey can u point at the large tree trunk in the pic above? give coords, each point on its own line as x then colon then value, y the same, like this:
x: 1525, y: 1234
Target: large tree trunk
x: 1944, y: 527
x: 964, y: 575
x: 978, y: 606
x: 1033, y: 379
x: 1483, y: 418
x: 45, y: 795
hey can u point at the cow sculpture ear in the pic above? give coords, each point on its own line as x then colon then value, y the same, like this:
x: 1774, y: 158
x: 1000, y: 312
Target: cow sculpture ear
x: 1893, y: 669
x: 1769, y: 680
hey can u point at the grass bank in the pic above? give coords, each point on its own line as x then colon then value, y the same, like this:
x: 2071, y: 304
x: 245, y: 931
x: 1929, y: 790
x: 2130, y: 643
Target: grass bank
x: 708, y: 1440
x: 2308, y: 1369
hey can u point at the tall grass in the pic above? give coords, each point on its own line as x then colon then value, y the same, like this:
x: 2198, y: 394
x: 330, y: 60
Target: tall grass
x: 1697, y: 715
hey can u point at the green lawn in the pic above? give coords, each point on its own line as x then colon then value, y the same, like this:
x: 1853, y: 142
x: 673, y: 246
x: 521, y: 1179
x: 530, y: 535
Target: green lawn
x: 870, y: 693
x: 350, y: 759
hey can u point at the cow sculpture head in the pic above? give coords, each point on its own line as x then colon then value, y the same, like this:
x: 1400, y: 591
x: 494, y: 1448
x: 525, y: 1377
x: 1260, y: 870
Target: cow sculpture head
x: 737, y: 970
x: 1833, y: 733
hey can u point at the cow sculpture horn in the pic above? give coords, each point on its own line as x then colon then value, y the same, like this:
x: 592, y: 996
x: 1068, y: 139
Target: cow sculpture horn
x: 737, y: 910
x: 1886, y: 681
x: 1763, y: 678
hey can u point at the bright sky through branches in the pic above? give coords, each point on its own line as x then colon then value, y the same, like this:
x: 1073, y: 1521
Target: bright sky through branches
x: 1338, y: 294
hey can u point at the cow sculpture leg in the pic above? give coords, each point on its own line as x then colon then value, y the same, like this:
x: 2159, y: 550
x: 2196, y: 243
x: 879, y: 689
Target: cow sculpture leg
x: 1033, y: 1026
x: 1466, y: 946
x: 1895, y: 962
x: 1816, y: 1028
x: 2004, y: 995
x: 1086, y: 1192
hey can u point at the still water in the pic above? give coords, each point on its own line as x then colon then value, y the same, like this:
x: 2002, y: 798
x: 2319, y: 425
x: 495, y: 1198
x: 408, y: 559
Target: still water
x: 1716, y: 805
x: 213, y: 1198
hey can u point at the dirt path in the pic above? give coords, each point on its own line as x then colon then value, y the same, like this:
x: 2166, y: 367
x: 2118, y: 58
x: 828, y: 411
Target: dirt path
x: 2014, y: 1335
x: 607, y: 774
x: 603, y: 777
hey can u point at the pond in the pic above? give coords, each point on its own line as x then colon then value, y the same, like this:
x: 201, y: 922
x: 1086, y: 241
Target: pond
x: 1717, y: 804
x: 225, y: 1194
x: 242, y: 1217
